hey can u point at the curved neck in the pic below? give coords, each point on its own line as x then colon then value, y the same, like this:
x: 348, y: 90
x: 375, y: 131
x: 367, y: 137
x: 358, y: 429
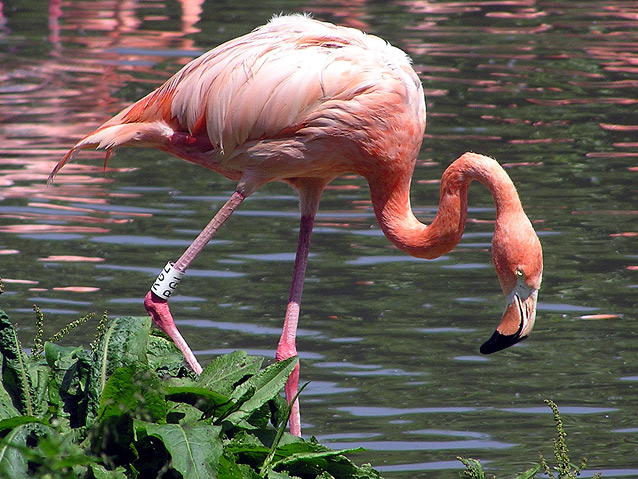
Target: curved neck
x: 391, y: 201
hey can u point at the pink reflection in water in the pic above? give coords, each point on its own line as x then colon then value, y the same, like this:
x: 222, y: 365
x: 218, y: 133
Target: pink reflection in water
x: 48, y: 229
x: 102, y: 46
x: 70, y: 258
x: 19, y: 281
x: 77, y: 289
x: 46, y: 106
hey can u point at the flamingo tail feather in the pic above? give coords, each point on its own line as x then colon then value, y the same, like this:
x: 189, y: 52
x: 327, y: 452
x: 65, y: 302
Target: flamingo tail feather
x: 148, y: 134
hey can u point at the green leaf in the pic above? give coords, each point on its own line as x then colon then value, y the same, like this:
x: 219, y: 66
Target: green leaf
x: 15, y: 375
x: 136, y: 391
x: 68, y: 379
x: 163, y: 354
x: 262, y: 387
x: 123, y: 343
x: 280, y: 475
x: 211, y: 403
x: 100, y: 472
x: 11, y: 423
x: 224, y: 372
x: 280, y: 432
x: 7, y: 409
x: 297, y: 461
x: 230, y: 469
x: 195, y: 449
x: 244, y: 443
x: 530, y: 473
x: 40, y: 375
x: 13, y: 463
x: 60, y: 357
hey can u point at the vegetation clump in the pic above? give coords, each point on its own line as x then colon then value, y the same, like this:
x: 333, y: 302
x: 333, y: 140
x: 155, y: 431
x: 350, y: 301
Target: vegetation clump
x: 564, y: 468
x: 129, y: 408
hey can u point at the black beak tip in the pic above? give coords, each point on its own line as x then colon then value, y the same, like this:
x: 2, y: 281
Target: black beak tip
x: 500, y: 341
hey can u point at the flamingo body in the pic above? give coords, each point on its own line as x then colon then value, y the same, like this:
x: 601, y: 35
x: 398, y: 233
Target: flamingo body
x: 296, y: 98
x: 303, y: 101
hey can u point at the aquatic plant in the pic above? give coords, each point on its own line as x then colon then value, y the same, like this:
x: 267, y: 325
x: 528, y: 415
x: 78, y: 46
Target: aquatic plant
x: 564, y: 468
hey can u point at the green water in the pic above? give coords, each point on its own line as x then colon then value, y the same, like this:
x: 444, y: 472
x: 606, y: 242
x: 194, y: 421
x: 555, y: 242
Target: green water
x: 388, y: 343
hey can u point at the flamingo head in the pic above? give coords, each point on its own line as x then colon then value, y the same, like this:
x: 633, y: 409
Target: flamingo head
x: 518, y: 259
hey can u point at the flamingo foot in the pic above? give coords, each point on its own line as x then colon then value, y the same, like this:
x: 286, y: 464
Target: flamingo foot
x: 158, y: 309
x: 291, y: 390
x: 285, y: 350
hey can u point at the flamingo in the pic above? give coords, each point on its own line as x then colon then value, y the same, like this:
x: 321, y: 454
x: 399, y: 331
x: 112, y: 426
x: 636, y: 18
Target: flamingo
x: 303, y: 101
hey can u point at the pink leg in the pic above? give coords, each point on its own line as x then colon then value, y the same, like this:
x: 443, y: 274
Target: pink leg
x: 287, y: 347
x: 155, y: 301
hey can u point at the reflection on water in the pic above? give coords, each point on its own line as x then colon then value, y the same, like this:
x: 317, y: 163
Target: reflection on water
x: 548, y: 88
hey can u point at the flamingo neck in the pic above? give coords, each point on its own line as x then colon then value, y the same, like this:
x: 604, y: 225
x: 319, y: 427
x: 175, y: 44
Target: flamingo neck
x: 391, y: 201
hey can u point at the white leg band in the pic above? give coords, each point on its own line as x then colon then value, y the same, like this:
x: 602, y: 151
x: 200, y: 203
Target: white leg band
x: 167, y: 281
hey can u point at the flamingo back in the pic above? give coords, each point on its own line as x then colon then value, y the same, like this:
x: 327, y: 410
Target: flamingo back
x: 295, y: 77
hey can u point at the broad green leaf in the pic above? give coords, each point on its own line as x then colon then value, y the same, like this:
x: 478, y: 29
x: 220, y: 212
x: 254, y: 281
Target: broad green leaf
x: 229, y: 469
x: 11, y: 423
x: 249, y: 453
x: 209, y: 402
x: 15, y: 376
x: 262, y: 387
x: 315, y: 463
x: 40, y: 375
x: 123, y: 343
x: 225, y: 371
x: 61, y: 357
x: 163, y: 354
x: 67, y: 385
x: 195, y: 449
x: 309, y: 457
x: 136, y: 391
x: 13, y: 463
x: 7, y: 409
x: 244, y: 443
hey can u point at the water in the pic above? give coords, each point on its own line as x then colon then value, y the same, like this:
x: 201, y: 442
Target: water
x: 389, y: 343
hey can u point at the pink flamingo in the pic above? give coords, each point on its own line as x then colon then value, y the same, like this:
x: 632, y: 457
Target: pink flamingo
x: 303, y: 101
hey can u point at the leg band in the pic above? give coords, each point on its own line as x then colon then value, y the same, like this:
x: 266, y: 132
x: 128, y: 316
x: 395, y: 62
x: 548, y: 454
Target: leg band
x: 167, y: 281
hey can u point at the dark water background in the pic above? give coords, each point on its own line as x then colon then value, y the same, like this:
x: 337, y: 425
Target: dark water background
x: 389, y: 343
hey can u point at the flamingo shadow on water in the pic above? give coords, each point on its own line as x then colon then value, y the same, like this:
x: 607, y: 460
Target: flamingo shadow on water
x: 304, y: 102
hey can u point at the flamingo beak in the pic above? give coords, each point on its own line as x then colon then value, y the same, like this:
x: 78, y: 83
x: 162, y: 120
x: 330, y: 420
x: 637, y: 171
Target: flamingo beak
x: 518, y: 319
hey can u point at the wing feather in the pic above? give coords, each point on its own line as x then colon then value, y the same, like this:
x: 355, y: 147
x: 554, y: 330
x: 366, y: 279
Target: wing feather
x: 274, y: 79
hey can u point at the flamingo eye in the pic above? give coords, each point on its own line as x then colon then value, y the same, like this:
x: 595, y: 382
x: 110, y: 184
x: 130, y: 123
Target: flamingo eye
x: 519, y: 273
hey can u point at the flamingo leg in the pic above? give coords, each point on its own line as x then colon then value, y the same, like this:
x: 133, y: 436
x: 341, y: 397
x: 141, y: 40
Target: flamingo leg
x: 156, y: 300
x: 287, y: 343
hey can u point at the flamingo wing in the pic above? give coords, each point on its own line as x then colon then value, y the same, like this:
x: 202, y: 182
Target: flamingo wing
x: 293, y: 77
x: 273, y: 81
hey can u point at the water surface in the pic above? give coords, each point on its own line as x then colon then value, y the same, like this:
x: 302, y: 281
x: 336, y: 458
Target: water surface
x: 388, y: 343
